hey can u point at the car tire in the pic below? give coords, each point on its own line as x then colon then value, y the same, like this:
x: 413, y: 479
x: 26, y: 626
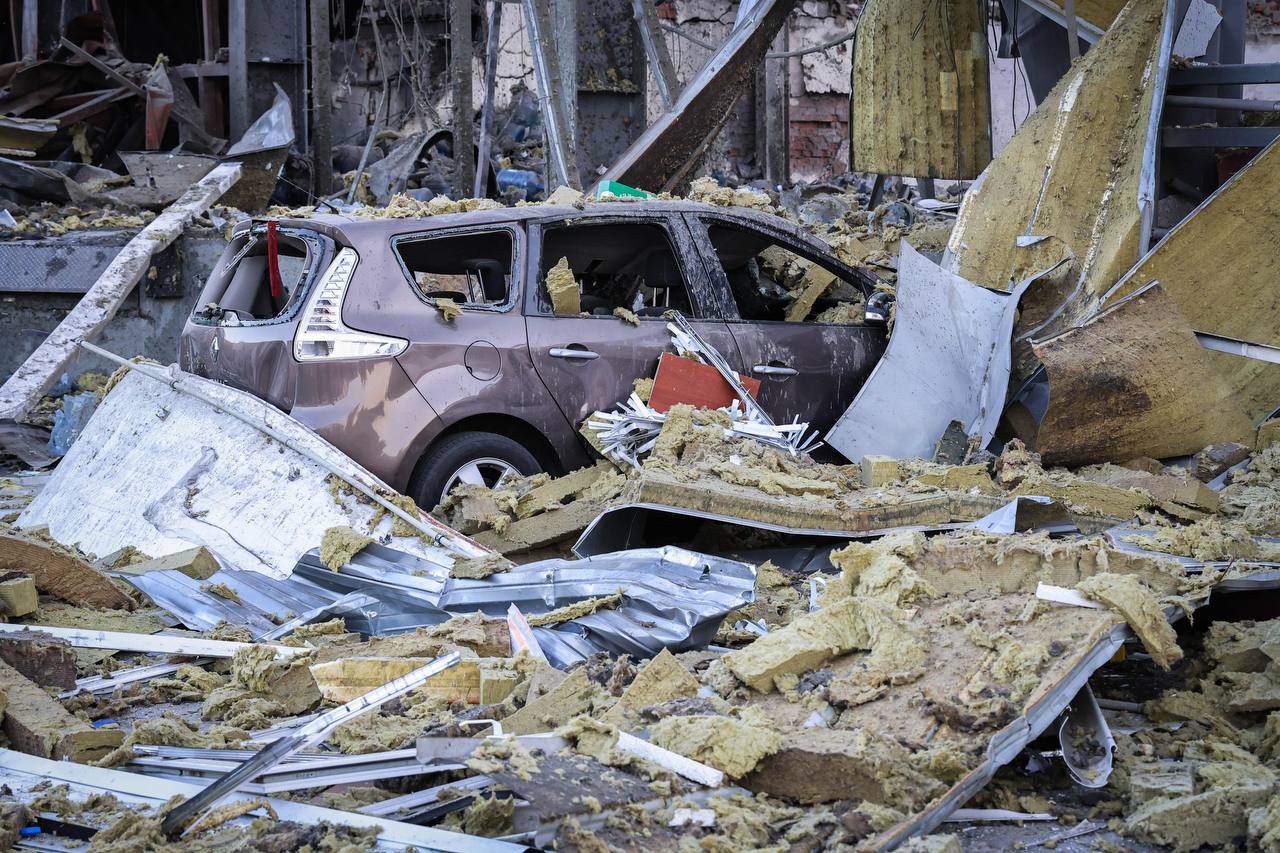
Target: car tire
x: 440, y: 466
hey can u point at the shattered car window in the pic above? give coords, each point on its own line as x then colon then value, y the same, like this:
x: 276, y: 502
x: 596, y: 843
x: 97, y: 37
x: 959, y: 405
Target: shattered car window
x: 246, y: 285
x: 771, y: 282
x: 470, y: 269
x: 597, y: 269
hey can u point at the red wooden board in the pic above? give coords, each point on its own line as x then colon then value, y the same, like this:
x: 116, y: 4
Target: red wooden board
x: 683, y: 380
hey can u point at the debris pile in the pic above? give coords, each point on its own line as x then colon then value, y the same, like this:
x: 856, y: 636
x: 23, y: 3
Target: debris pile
x: 1017, y: 588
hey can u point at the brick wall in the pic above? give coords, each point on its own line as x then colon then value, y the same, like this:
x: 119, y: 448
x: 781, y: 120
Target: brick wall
x: 819, y: 139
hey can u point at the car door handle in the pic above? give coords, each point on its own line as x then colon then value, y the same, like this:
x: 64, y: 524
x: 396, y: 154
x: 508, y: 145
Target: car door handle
x: 569, y: 352
x: 771, y: 370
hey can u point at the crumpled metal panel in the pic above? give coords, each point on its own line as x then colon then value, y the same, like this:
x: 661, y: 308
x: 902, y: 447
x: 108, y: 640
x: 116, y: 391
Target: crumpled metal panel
x: 948, y: 359
x: 672, y: 598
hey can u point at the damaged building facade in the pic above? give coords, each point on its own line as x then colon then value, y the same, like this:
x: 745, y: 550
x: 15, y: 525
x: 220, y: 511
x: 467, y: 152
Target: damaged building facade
x: 779, y: 425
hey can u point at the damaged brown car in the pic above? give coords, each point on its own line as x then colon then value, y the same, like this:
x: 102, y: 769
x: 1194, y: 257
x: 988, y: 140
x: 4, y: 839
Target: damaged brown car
x: 431, y: 352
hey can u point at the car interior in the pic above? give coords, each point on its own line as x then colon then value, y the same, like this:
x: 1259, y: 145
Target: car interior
x: 471, y: 269
x: 763, y: 275
x: 245, y: 287
x: 628, y: 265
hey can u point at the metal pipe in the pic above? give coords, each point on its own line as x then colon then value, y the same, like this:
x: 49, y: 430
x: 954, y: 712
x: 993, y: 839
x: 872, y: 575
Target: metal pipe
x: 492, y: 46
x: 561, y: 165
x: 1246, y: 104
x: 438, y: 537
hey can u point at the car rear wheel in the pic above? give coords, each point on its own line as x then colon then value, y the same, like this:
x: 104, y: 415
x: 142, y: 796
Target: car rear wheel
x: 478, y: 458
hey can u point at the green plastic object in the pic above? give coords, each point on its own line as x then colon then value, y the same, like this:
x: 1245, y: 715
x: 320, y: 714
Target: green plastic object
x: 620, y: 190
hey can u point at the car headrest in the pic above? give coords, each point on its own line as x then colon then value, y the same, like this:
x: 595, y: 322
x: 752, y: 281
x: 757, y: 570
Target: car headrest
x: 493, y: 277
x: 661, y: 270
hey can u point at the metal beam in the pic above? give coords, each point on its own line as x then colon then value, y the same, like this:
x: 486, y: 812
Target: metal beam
x: 1218, y: 137
x: 655, y: 50
x: 491, y: 50
x: 211, y: 102
x: 322, y: 111
x: 562, y: 164
x: 1221, y: 75
x: 463, y: 100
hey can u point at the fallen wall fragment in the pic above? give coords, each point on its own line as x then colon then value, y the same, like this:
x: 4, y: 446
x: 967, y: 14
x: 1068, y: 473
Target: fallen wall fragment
x: 1049, y: 196
x: 203, y: 475
x: 1133, y: 381
x: 1216, y: 270
x: 948, y: 359
x: 920, y: 89
x: 95, y: 309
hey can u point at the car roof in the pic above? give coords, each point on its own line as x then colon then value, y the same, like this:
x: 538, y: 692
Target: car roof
x: 360, y: 229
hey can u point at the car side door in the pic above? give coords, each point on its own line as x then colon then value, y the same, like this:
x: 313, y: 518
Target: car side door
x: 809, y: 369
x: 589, y: 358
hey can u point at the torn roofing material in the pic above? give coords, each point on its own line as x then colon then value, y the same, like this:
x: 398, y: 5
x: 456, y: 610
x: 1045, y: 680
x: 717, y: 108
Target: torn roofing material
x: 196, y: 466
x: 1133, y: 381
x: 948, y: 359
x: 1049, y: 180
x: 1221, y: 276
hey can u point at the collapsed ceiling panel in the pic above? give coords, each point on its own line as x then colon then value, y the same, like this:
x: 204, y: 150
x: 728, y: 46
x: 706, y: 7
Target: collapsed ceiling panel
x: 1070, y: 184
x: 1134, y: 382
x: 1242, y: 304
x: 921, y: 94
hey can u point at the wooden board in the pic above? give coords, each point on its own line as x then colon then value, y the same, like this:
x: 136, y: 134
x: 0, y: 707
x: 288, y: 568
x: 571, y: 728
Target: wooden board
x: 683, y: 380
x: 921, y: 101
x: 1218, y: 267
x: 1134, y: 382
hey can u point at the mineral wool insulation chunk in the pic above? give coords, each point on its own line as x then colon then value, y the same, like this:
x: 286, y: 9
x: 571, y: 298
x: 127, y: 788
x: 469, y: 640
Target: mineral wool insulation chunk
x: 1139, y: 607
x: 851, y: 624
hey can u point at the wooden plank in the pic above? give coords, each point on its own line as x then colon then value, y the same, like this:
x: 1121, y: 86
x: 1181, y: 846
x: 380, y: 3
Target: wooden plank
x: 59, y: 573
x: 1218, y: 267
x: 36, y: 375
x: 920, y: 99
x: 1134, y: 382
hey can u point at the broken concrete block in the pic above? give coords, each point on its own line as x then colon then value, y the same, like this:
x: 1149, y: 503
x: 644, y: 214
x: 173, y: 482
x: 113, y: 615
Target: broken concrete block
x: 195, y: 563
x: 1216, y: 458
x: 660, y: 680
x: 18, y: 595
x: 726, y: 743
x: 37, y: 724
x: 821, y: 765
x: 813, y: 639
x: 879, y: 470
x: 47, y: 661
x: 1138, y: 606
x: 575, y: 695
